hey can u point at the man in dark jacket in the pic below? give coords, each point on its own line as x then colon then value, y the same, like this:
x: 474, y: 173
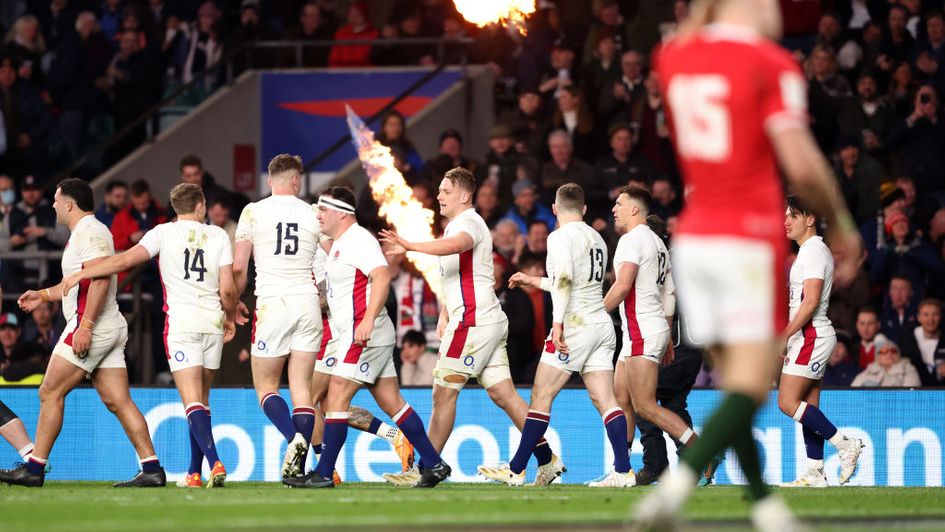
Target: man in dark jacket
x: 26, y: 120
x: 925, y: 345
x: 918, y: 140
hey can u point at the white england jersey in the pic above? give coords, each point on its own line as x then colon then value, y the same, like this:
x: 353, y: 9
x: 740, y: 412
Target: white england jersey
x: 641, y: 313
x: 577, y: 255
x: 284, y: 232
x: 814, y: 261
x: 469, y: 277
x: 191, y: 255
x: 351, y: 259
x: 90, y: 239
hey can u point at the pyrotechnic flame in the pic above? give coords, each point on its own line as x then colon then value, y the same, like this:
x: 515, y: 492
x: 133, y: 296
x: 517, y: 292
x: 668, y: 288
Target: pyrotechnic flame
x: 395, y: 198
x: 506, y: 12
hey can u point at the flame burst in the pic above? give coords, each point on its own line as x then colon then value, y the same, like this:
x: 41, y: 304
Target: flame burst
x: 409, y: 217
x: 506, y: 12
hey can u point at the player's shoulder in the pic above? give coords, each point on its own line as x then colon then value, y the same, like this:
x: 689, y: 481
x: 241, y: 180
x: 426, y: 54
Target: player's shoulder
x: 215, y: 232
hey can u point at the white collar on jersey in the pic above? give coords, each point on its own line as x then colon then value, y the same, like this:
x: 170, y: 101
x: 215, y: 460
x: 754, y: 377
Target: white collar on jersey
x: 720, y: 31
x: 335, y: 204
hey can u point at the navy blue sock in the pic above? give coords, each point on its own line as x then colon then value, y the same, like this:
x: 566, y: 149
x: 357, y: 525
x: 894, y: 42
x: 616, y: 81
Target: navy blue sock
x: 201, y: 431
x: 336, y: 431
x: 277, y: 411
x: 196, y: 455
x: 536, y: 423
x: 814, y: 445
x: 542, y: 451
x: 410, y: 424
x: 375, y: 425
x: 303, y: 417
x: 616, y: 425
x: 317, y: 448
x: 815, y: 420
x: 35, y: 467
x: 151, y: 465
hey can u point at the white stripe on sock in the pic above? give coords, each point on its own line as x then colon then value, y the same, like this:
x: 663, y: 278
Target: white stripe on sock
x: 25, y: 451
x: 401, y: 412
x: 799, y: 413
x: 686, y: 436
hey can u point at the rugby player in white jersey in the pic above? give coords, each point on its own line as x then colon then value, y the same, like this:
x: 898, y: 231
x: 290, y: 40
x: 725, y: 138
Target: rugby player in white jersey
x: 810, y: 342
x: 196, y: 264
x: 643, y: 290
x: 582, y: 339
x: 91, y: 346
x: 281, y: 233
x: 472, y: 325
x: 358, y: 281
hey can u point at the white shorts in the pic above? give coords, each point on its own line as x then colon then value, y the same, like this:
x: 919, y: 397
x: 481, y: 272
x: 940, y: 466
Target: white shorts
x: 286, y: 323
x: 591, y: 348
x: 363, y: 364
x: 188, y: 350
x: 731, y: 289
x: 651, y: 348
x: 807, y: 357
x: 478, y: 351
x: 106, y: 351
x: 327, y: 358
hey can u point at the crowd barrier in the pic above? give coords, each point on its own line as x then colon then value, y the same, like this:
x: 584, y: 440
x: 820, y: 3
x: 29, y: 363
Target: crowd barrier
x: 903, y: 431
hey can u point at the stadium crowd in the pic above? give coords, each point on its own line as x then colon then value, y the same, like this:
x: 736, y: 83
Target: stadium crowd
x: 576, y: 102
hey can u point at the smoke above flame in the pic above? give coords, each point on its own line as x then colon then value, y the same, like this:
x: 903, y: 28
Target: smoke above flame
x: 395, y: 198
x: 509, y: 13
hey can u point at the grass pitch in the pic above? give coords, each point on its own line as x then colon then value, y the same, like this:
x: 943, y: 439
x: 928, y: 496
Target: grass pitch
x: 94, y: 506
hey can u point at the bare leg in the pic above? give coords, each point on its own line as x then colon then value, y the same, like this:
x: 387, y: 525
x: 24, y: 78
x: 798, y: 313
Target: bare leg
x: 443, y: 415
x: 61, y: 377
x: 112, y: 387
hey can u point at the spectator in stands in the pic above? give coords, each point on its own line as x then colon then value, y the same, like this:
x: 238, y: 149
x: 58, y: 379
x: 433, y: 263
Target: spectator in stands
x: 192, y: 171
x: 627, y: 90
x: 487, y: 205
x: 573, y: 116
x: 918, y: 209
x: 897, y: 42
x: 450, y: 156
x: 7, y: 201
x: 528, y: 124
x: 251, y: 29
x: 924, y: 346
x: 506, y: 237
x: 9, y: 336
x: 614, y: 171
x: 867, y: 329
x: 110, y: 18
x: 825, y: 92
x: 33, y: 221
x: 43, y: 327
x: 934, y: 40
x: 79, y: 61
x: 23, y: 362
x: 561, y: 73
x: 501, y: 164
x: 860, y: 177
x: 651, y: 134
x: 26, y: 44
x: 665, y: 198
x: 134, y: 84
x: 393, y: 134
x: 524, y: 366
x: 116, y: 199
x: 218, y: 213
x: 410, y: 26
x: 358, y: 27
x: 603, y: 71
x: 906, y: 254
x: 313, y: 26
x: 867, y: 116
x: 416, y: 363
x: 535, y: 243
x: 873, y: 230
x: 133, y: 222
x: 918, y: 141
x: 526, y: 209
x: 898, y: 311
x: 563, y: 167
x: 841, y: 369
x: 902, y: 89
x: 609, y: 22
x: 518, y: 308
x: 889, y: 369
x: 936, y: 227
x: 846, y: 302
x: 56, y: 20
x: 205, y: 45
x: 26, y: 120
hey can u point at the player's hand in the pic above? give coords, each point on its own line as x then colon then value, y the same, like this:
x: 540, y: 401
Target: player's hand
x: 441, y: 328
x: 242, y: 314
x: 397, y: 245
x: 847, y: 248
x: 243, y: 357
x: 81, y: 341
x: 229, y: 331
x: 670, y: 355
x: 520, y: 279
x: 557, y: 338
x: 362, y: 333
x: 29, y: 301
x: 68, y: 282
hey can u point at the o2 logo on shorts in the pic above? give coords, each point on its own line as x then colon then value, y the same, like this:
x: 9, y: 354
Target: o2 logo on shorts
x: 364, y: 367
x: 469, y: 360
x: 330, y: 361
x: 261, y: 345
x: 180, y: 356
x: 815, y: 367
x: 563, y: 357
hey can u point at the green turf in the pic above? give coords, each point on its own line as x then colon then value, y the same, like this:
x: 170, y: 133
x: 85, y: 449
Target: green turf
x: 88, y: 506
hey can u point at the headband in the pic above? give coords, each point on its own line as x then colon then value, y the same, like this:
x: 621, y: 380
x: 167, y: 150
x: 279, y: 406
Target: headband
x: 335, y: 204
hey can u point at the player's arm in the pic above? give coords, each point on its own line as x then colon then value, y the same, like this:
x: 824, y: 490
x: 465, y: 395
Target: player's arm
x: 94, y: 303
x: 669, y: 309
x: 229, y: 299
x: 812, y: 289
x: 242, y: 251
x: 442, y: 322
x: 559, y: 285
x: 107, y: 266
x: 380, y: 286
x: 452, y: 245
x: 626, y: 274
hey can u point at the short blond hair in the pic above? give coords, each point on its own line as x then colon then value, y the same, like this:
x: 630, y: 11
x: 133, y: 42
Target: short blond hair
x: 285, y: 163
x: 185, y: 197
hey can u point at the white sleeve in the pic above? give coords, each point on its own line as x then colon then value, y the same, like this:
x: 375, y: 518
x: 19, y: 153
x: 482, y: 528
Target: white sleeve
x: 246, y: 225
x: 629, y: 249
x: 369, y: 255
x: 226, y: 250
x: 561, y: 274
x: 472, y: 229
x: 812, y: 266
x: 151, y: 241
x: 669, y: 295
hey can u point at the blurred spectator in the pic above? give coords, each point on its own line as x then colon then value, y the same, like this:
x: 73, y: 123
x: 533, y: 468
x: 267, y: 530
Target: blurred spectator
x: 79, y: 61
x: 501, y: 164
x: 907, y: 255
x: 116, y: 199
x: 889, y: 369
x: 609, y: 22
x: 358, y: 27
x: 251, y: 29
x: 898, y: 311
x: 134, y: 85
x: 7, y: 197
x: 563, y: 167
x: 626, y: 91
x: 614, y: 171
x: 651, y: 134
x: 505, y: 238
x: 918, y: 209
x: 517, y: 306
x: 42, y: 327
x: 57, y: 19
x: 665, y: 198
x: 902, y: 89
x: 603, y: 71
x: 416, y: 363
x: 110, y: 18
x: 9, y: 336
x: 573, y: 116
x: 866, y: 116
x: 393, y: 134
x: 449, y: 157
x: 934, y: 41
x: 897, y: 42
x: 22, y: 362
x: 409, y: 27
x: 825, y: 92
x: 924, y: 346
x: 218, y: 213
x: 133, y: 222
x: 541, y: 312
x: 873, y: 230
x: 192, y: 171
x: 846, y: 302
x: 33, y: 222
x: 526, y: 209
x: 535, y: 243
x: 26, y: 121
x: 205, y: 44
x: 841, y: 369
x: 487, y: 205
x: 527, y: 123
x: 313, y: 26
x: 26, y: 44
x: 918, y: 140
x: 860, y: 177
x: 412, y: 300
x: 936, y: 228
x: 561, y: 73
x: 867, y: 330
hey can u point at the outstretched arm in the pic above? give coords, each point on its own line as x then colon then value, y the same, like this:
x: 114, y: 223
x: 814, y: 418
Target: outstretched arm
x: 444, y: 246
x: 108, y: 266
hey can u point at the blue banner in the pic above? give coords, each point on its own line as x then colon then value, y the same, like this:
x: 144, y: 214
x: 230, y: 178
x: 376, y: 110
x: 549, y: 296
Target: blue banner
x: 903, y: 431
x: 305, y: 112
